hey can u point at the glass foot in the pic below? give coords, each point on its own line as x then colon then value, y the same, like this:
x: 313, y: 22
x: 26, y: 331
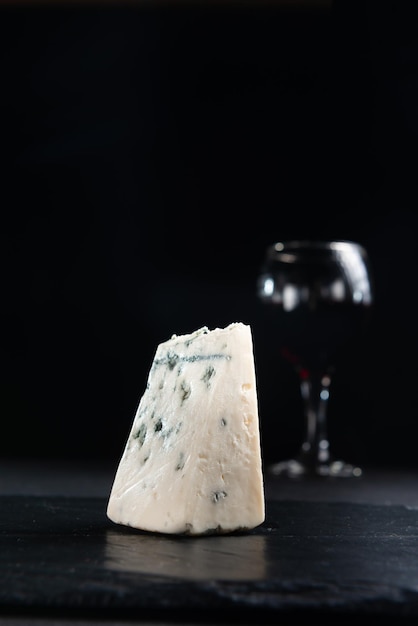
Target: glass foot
x: 298, y: 468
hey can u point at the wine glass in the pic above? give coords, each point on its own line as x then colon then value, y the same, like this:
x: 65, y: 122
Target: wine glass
x: 319, y: 295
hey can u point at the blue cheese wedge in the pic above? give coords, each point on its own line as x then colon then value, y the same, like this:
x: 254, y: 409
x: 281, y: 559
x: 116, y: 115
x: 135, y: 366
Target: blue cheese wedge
x: 192, y: 462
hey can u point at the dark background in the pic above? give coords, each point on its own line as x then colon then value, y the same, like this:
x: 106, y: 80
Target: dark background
x: 149, y: 153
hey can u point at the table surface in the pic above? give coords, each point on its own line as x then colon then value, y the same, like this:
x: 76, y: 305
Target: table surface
x: 329, y: 550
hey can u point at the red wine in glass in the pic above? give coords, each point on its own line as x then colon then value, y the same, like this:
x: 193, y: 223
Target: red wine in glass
x: 318, y: 297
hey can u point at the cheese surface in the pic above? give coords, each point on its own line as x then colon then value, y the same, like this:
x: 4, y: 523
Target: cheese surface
x: 192, y: 461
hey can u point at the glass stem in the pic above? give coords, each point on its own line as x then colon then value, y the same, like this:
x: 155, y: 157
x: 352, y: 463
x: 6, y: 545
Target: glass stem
x: 315, y: 394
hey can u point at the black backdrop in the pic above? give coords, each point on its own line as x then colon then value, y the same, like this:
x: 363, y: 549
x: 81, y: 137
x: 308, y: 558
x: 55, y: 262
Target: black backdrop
x: 149, y: 154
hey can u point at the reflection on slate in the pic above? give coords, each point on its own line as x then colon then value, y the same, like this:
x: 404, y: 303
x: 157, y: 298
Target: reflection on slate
x: 187, y: 558
x: 310, y: 557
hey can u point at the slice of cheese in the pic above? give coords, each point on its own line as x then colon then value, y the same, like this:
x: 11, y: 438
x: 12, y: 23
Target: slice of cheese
x: 192, y: 462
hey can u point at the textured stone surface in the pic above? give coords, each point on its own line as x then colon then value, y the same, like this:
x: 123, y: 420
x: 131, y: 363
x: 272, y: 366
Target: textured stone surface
x: 311, y: 558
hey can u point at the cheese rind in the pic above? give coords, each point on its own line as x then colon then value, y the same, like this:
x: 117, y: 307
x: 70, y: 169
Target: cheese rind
x: 192, y: 462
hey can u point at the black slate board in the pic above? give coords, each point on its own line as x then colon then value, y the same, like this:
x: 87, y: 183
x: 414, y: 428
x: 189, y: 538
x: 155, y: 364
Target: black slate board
x: 308, y: 558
